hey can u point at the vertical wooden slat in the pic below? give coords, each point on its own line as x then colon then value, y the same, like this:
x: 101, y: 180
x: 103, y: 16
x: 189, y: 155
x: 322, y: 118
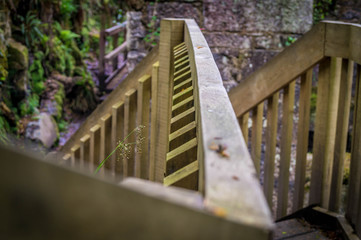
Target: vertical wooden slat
x: 94, y: 158
x: 302, y: 139
x: 271, y: 137
x: 341, y: 134
x: 243, y: 122
x: 286, y: 142
x: 171, y: 34
x: 130, y: 112
x: 325, y: 130
x: 256, y: 140
x: 353, y: 197
x: 75, y: 156
x: 141, y: 160
x: 117, y: 134
x: 115, y: 45
x: 154, y: 121
x: 84, y: 150
x: 105, y: 137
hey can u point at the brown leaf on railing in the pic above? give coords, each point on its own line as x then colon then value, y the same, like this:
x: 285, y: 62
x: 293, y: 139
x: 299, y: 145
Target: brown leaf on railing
x: 199, y: 47
x: 220, y: 149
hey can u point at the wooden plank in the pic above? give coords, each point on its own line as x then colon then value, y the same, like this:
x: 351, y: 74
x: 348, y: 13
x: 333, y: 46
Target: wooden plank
x: 182, y: 115
x: 181, y: 173
x: 179, y: 87
x: 181, y: 105
x: 75, y: 156
x: 243, y: 122
x: 171, y: 34
x: 141, y: 158
x: 94, y: 147
x: 180, y: 60
x: 181, y: 64
x: 57, y: 188
x: 117, y: 134
x: 179, y: 96
x: 113, y: 54
x: 180, y: 54
x: 271, y: 137
x: 116, y: 29
x: 116, y: 96
x: 226, y: 178
x: 130, y: 112
x: 341, y: 134
x: 286, y: 143
x: 105, y: 143
x: 185, y: 147
x: 302, y: 139
x: 268, y: 80
x: 182, y: 70
x: 84, y: 150
x: 179, y: 46
x: 154, y: 121
x: 180, y: 78
x: 353, y: 197
x: 325, y: 130
x: 182, y: 131
x: 256, y: 139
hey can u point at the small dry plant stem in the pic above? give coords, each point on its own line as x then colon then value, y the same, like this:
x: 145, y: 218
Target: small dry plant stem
x: 121, y: 145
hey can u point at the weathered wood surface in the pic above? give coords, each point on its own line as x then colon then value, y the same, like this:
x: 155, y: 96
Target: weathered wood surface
x: 274, y: 75
x: 153, y: 121
x: 170, y: 36
x: 256, y: 138
x: 118, y: 94
x: 117, y: 135
x: 130, y: 112
x: 302, y: 139
x: 94, y: 147
x: 226, y: 179
x: 114, y: 53
x: 115, y: 29
x: 40, y: 200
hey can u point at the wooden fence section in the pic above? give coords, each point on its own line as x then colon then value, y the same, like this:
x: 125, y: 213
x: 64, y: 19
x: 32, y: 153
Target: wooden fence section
x: 327, y: 54
x: 113, y: 55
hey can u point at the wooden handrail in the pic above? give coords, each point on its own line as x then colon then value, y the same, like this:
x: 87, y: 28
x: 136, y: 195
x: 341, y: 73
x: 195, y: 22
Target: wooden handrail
x: 115, y: 29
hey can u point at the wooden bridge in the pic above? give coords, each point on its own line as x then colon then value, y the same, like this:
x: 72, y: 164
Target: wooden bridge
x: 197, y: 138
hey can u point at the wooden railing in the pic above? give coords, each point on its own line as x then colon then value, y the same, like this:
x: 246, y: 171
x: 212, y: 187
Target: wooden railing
x: 327, y: 58
x: 183, y: 101
x: 113, y: 55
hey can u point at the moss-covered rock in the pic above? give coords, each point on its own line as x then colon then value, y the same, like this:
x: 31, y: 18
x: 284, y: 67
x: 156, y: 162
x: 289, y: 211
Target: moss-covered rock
x: 18, y: 56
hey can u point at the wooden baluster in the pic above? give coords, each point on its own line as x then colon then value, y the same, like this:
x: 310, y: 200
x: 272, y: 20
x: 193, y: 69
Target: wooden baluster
x: 341, y: 134
x: 257, y: 121
x: 67, y: 159
x: 154, y: 121
x: 286, y: 143
x: 105, y: 145
x: 243, y: 122
x: 325, y: 130
x: 117, y: 135
x: 84, y: 151
x: 353, y: 197
x: 94, y: 159
x: 130, y: 112
x: 271, y: 137
x: 302, y: 139
x: 141, y: 160
x: 75, y: 156
x: 171, y: 34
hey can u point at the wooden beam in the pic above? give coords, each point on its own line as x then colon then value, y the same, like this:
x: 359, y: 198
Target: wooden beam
x: 116, y: 29
x: 154, y: 121
x: 181, y: 173
x: 113, y: 54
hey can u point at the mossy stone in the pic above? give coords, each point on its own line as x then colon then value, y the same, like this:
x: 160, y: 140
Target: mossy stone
x: 18, y: 56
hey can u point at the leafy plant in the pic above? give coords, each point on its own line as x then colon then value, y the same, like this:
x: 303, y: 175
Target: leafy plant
x: 30, y: 28
x: 29, y: 106
x: 321, y: 9
x: 289, y: 41
x: 125, y: 148
x: 37, y: 73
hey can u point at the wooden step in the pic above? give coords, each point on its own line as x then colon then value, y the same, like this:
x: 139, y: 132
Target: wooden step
x: 181, y: 131
x: 182, y: 115
x: 180, y: 60
x: 180, y: 71
x: 182, y: 76
x: 179, y: 46
x: 181, y: 53
x: 179, y: 65
x: 181, y: 93
x: 182, y: 84
x: 185, y: 101
x: 181, y: 149
x: 181, y: 173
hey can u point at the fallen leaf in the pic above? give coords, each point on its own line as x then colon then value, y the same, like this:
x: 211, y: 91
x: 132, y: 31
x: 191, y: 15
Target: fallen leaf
x: 199, y: 47
x: 235, y: 178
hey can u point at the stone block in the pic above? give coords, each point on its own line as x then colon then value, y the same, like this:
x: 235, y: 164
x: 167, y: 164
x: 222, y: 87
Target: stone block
x: 231, y: 40
x: 18, y: 57
x: 296, y: 17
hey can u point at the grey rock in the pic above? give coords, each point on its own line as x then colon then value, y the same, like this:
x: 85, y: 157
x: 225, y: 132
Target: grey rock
x: 134, y: 57
x: 44, y: 130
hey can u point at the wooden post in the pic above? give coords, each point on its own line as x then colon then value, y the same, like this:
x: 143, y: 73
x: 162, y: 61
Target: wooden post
x: 302, y: 139
x: 341, y: 134
x: 171, y: 34
x: 94, y: 147
x: 256, y: 139
x: 75, y: 156
x: 105, y: 123
x: 130, y: 112
x: 243, y: 122
x: 286, y: 143
x: 84, y: 150
x: 154, y: 121
x: 325, y: 130
x: 117, y: 134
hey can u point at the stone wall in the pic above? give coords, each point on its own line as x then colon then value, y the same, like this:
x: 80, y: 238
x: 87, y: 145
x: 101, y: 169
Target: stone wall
x: 242, y: 34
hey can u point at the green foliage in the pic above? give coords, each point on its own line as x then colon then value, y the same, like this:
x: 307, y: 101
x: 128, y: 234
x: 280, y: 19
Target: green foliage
x: 62, y: 125
x: 29, y: 106
x: 289, y: 41
x: 30, y: 28
x: 4, y: 128
x: 321, y: 9
x: 67, y: 8
x: 153, y: 34
x: 37, y: 73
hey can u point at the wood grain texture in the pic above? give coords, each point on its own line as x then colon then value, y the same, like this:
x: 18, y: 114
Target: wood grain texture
x: 75, y: 156
x: 226, y: 180
x: 94, y: 147
x: 130, y: 112
x: 286, y: 143
x: 256, y: 138
x: 172, y: 32
x: 117, y: 95
x: 270, y: 143
x: 117, y: 135
x: 302, y: 139
x: 181, y: 174
x: 341, y: 134
x: 353, y: 199
x: 243, y: 122
x: 154, y: 121
x: 273, y: 75
x: 143, y: 102
x: 325, y: 130
x: 84, y: 150
x: 105, y: 145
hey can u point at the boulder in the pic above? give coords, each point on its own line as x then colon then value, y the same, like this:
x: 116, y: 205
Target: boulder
x: 18, y: 56
x: 43, y: 129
